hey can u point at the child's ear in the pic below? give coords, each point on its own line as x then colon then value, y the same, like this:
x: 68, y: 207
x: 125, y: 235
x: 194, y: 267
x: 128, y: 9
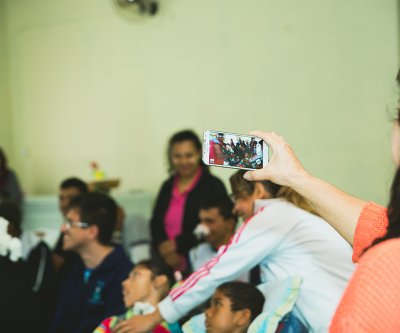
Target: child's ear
x: 93, y: 231
x: 260, y: 192
x: 243, y: 317
x: 160, y: 281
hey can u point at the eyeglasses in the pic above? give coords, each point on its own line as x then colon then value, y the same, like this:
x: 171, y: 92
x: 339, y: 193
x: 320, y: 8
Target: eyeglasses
x: 68, y: 224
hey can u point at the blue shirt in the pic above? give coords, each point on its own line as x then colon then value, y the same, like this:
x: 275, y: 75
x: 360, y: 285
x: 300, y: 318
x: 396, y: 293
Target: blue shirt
x: 87, y: 298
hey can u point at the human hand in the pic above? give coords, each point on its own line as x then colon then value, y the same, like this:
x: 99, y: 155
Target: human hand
x: 139, y: 324
x: 173, y: 259
x: 284, y: 168
x: 58, y: 261
x: 167, y: 247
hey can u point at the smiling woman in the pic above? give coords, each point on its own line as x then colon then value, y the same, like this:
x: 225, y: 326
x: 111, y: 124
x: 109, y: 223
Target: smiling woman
x: 176, y: 211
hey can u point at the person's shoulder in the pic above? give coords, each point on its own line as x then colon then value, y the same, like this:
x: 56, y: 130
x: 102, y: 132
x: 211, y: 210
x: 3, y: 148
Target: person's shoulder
x: 289, y: 207
x: 201, y: 248
x: 388, y: 250
x: 208, y: 175
x: 209, y: 178
x: 378, y: 270
x: 169, y: 180
x: 278, y: 209
x: 120, y: 252
x: 381, y: 260
x: 72, y: 274
x: 167, y: 183
x: 11, y: 174
x: 119, y: 259
x: 267, y: 206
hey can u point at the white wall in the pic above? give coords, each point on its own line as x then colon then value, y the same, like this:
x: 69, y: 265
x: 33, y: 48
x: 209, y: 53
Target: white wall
x: 87, y: 85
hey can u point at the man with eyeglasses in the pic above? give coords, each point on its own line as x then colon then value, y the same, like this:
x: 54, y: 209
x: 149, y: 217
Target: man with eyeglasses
x: 91, y: 290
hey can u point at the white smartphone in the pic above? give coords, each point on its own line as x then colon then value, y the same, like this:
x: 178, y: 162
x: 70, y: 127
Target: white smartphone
x: 231, y: 150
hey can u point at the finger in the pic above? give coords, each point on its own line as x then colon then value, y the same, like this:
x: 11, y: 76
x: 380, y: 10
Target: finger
x: 122, y: 330
x: 257, y: 175
x: 270, y: 138
x: 119, y: 328
x: 116, y: 329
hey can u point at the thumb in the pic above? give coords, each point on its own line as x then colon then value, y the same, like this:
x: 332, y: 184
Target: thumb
x: 256, y: 175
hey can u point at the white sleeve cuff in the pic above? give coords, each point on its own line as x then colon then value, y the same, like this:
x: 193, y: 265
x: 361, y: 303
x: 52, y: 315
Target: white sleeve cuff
x: 169, y: 311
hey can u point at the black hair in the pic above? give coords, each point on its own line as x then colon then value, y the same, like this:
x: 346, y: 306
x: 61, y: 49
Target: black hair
x: 10, y: 210
x: 222, y: 202
x: 157, y: 268
x: 393, y: 211
x: 3, y: 158
x: 185, y: 135
x: 76, y: 183
x: 3, y: 168
x: 398, y: 77
x: 243, y: 296
x: 239, y: 185
x: 97, y: 209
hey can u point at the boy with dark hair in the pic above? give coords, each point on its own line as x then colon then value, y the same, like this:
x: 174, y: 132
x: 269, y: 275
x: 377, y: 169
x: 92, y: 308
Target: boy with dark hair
x: 222, y: 202
x: 91, y: 290
x: 147, y: 284
x: 217, y: 226
x: 69, y: 189
x: 233, y: 307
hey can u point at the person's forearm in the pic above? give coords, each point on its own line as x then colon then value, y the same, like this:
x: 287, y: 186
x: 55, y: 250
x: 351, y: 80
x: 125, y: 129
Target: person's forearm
x: 139, y: 324
x: 340, y: 209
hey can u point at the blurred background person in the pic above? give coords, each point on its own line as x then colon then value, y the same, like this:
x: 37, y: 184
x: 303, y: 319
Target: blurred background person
x: 233, y: 307
x: 9, y: 184
x: 69, y: 189
x: 175, y: 213
x: 91, y: 289
x: 147, y: 284
x: 218, y: 224
x: 13, y: 278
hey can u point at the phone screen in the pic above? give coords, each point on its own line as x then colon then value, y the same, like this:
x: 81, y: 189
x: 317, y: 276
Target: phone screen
x: 235, y: 150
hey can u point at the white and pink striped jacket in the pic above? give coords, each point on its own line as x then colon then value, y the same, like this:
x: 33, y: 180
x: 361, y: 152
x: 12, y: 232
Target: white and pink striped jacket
x: 285, y: 241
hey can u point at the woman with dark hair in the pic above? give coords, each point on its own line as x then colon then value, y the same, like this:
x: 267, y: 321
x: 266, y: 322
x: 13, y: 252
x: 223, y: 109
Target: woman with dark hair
x: 371, y: 301
x: 9, y: 185
x: 175, y: 214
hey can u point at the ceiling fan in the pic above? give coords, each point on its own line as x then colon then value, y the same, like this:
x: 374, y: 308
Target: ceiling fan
x: 132, y: 9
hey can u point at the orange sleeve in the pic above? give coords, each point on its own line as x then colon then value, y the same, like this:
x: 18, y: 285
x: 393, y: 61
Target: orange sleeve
x: 372, y: 224
x: 371, y: 301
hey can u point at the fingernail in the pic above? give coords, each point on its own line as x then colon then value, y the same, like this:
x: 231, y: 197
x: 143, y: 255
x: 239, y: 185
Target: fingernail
x: 246, y: 176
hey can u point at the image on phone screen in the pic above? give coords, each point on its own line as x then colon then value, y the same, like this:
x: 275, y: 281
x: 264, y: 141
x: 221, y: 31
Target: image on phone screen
x: 234, y: 150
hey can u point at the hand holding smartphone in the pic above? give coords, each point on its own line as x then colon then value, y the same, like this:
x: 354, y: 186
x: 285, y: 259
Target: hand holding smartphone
x: 237, y: 151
